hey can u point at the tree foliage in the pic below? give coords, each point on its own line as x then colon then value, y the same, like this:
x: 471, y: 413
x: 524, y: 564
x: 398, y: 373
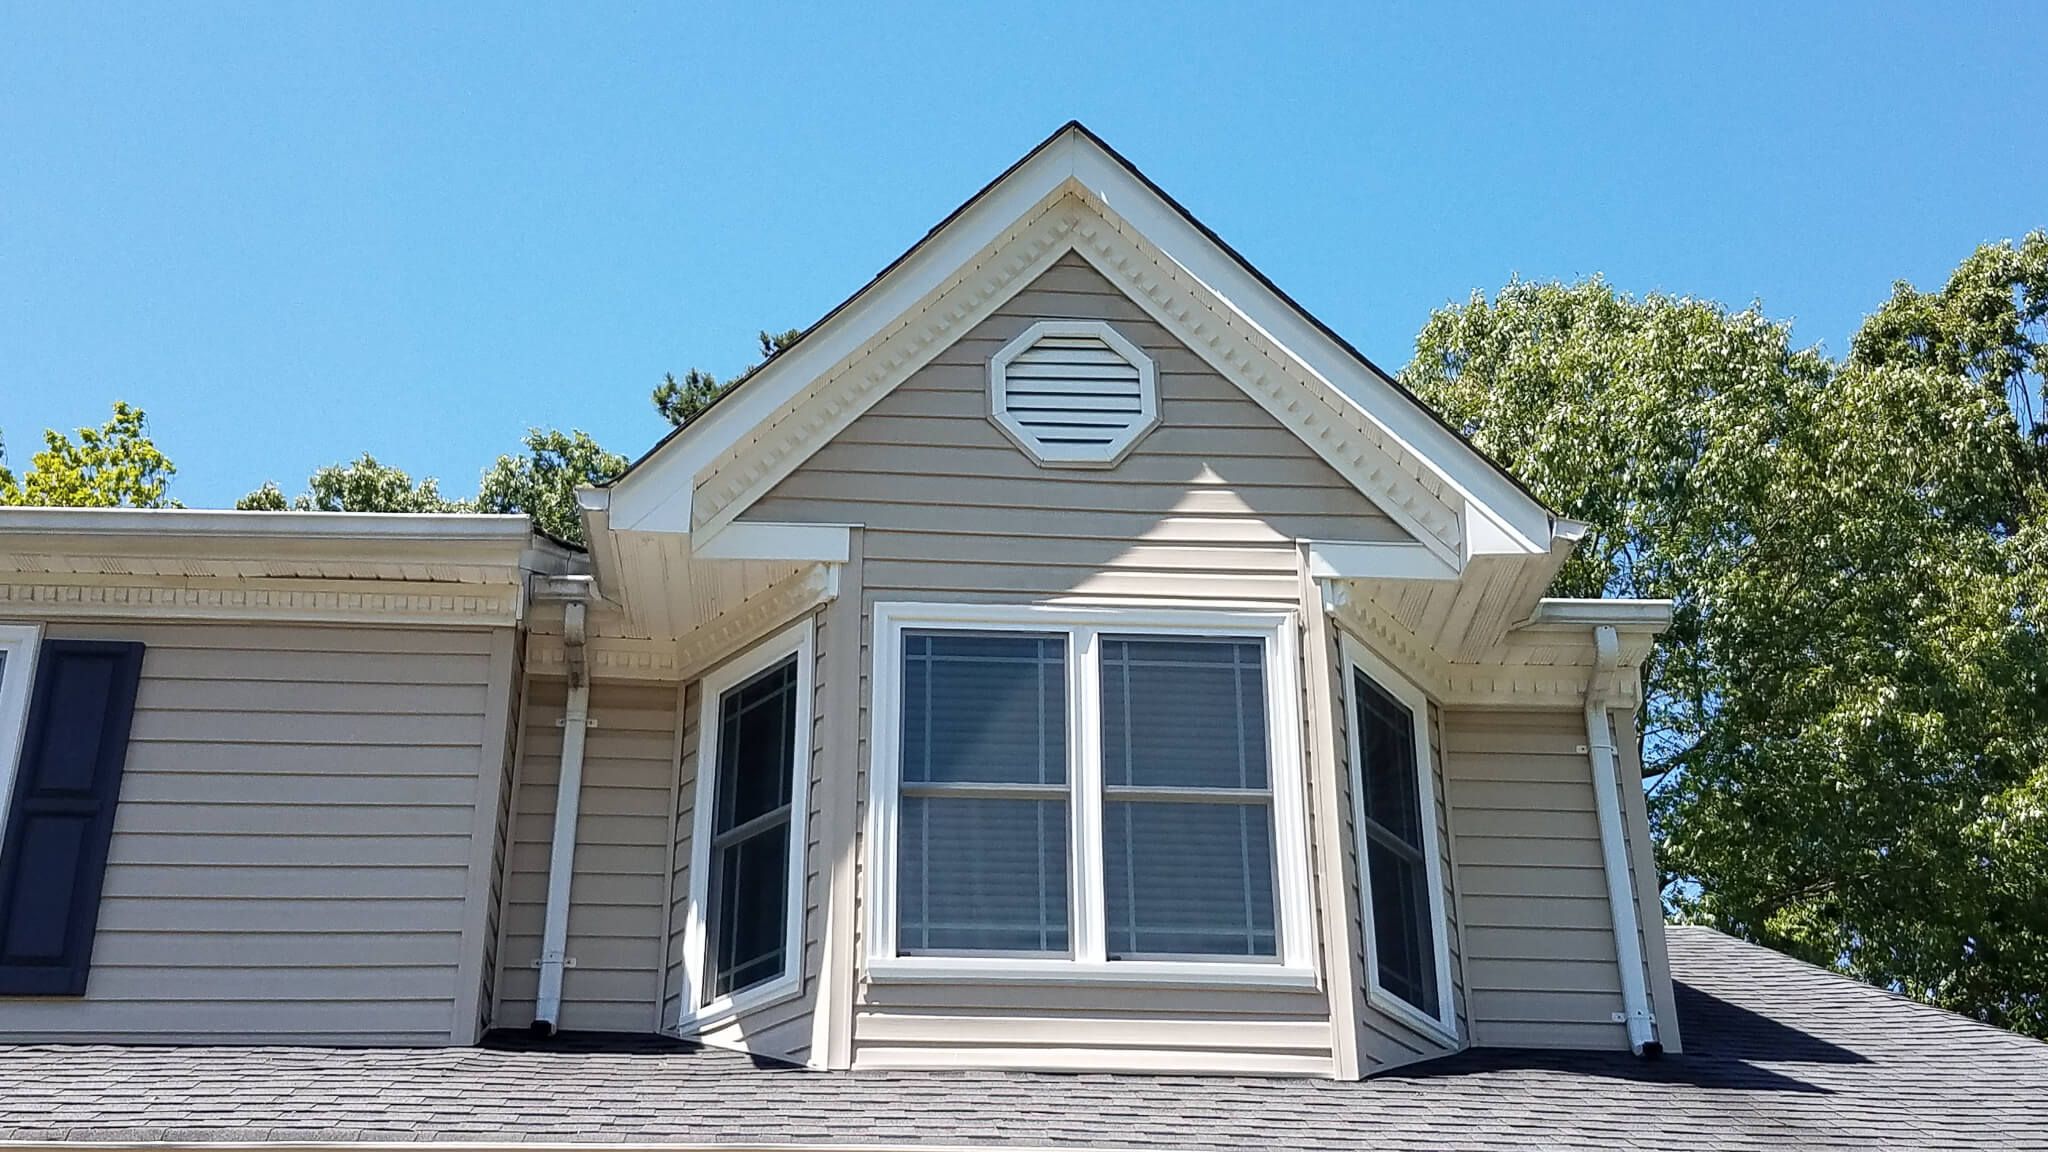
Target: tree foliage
x: 1989, y: 323
x: 679, y: 401
x: 362, y: 485
x: 1847, y: 716
x: 115, y: 465
x: 542, y: 483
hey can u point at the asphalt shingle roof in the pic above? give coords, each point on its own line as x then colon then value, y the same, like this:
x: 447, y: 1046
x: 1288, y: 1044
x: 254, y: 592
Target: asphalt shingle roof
x: 1778, y: 1055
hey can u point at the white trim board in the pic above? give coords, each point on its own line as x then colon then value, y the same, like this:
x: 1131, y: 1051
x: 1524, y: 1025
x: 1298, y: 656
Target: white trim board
x: 1295, y: 965
x: 697, y: 1014
x: 1073, y: 160
x: 21, y: 643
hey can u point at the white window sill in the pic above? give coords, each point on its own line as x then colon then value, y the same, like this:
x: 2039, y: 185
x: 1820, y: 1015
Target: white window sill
x: 1116, y: 973
x: 727, y: 1009
x: 1414, y: 1017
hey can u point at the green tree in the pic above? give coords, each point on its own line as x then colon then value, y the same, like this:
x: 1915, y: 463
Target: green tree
x: 115, y: 465
x: 362, y: 485
x: 679, y: 401
x: 1989, y: 323
x: 543, y: 482
x: 1846, y: 720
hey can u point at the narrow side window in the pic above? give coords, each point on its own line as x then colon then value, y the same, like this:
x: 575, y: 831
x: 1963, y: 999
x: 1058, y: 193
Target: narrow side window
x: 750, y: 831
x: 1394, y: 808
x: 747, y: 856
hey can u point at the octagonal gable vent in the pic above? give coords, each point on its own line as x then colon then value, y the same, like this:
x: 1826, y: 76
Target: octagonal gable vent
x: 1073, y: 393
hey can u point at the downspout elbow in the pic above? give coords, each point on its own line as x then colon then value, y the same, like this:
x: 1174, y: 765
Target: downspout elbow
x: 1621, y: 890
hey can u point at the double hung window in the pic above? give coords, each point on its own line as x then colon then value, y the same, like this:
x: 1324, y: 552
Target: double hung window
x: 744, y: 942
x: 1086, y: 793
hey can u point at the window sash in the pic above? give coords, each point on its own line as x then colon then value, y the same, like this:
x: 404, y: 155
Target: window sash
x: 1282, y: 800
x: 727, y: 972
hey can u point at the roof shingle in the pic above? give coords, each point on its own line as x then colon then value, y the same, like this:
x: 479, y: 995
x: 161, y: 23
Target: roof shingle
x: 1778, y: 1054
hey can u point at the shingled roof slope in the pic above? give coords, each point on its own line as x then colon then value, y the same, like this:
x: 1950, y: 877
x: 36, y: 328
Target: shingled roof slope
x: 1778, y: 1055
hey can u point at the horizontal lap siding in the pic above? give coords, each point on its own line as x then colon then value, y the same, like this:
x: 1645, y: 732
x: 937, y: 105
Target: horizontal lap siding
x: 1539, y: 939
x: 1206, y: 509
x: 292, y: 848
x: 618, y: 888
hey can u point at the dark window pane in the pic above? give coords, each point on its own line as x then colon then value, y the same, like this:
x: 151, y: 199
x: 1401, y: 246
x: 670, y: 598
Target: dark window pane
x: 982, y: 875
x: 1405, y: 946
x: 750, y: 879
x: 1188, y: 879
x: 984, y: 708
x: 756, y: 734
x: 1387, y: 737
x: 748, y: 887
x: 1404, y: 932
x: 1183, y: 713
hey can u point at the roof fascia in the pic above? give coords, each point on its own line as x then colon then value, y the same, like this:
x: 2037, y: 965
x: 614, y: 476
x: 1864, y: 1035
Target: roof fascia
x: 214, y: 522
x: 368, y: 537
x: 1491, y: 495
x: 656, y: 495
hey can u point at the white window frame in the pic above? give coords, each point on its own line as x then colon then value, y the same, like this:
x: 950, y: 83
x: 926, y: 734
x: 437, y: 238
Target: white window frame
x: 697, y: 1013
x: 1074, y: 456
x: 1295, y: 966
x: 1357, y: 659
x: 21, y: 642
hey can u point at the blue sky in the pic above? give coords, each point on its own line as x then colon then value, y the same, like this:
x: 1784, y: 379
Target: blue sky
x: 297, y: 232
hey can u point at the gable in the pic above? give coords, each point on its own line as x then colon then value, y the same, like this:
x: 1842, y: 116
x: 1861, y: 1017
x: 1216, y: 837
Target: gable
x: 1218, y: 487
x: 1056, y: 201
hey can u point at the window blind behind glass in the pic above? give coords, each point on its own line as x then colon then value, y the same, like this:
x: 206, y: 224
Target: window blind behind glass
x: 982, y: 843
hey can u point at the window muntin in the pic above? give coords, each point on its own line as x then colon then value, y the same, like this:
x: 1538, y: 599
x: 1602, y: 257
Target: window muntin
x: 1188, y: 861
x: 982, y: 859
x: 1167, y: 801
x: 743, y: 939
x: 1394, y: 814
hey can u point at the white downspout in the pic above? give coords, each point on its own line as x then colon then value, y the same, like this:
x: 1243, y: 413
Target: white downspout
x: 1621, y: 888
x: 554, y: 936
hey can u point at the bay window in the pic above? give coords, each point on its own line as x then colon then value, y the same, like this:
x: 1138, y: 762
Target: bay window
x: 1081, y: 793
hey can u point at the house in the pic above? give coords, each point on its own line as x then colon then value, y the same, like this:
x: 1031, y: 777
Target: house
x: 1070, y: 697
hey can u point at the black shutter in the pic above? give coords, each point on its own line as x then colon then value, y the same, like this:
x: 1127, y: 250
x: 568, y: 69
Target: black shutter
x: 53, y: 854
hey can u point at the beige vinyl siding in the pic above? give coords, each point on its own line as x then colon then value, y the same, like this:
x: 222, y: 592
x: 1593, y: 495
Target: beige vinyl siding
x: 1386, y: 1041
x: 1539, y: 938
x: 501, y: 836
x: 617, y: 891
x: 675, y: 979
x: 783, y: 1029
x: 1206, y: 509
x: 293, y: 849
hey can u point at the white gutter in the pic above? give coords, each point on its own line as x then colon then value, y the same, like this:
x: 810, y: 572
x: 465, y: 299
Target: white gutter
x: 217, y: 522
x: 1621, y: 888
x: 554, y: 936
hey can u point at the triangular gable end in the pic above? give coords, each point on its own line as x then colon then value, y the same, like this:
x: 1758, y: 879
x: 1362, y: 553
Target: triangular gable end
x: 1453, y: 500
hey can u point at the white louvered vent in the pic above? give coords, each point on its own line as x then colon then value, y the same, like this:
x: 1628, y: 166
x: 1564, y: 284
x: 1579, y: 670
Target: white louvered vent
x: 1073, y: 393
